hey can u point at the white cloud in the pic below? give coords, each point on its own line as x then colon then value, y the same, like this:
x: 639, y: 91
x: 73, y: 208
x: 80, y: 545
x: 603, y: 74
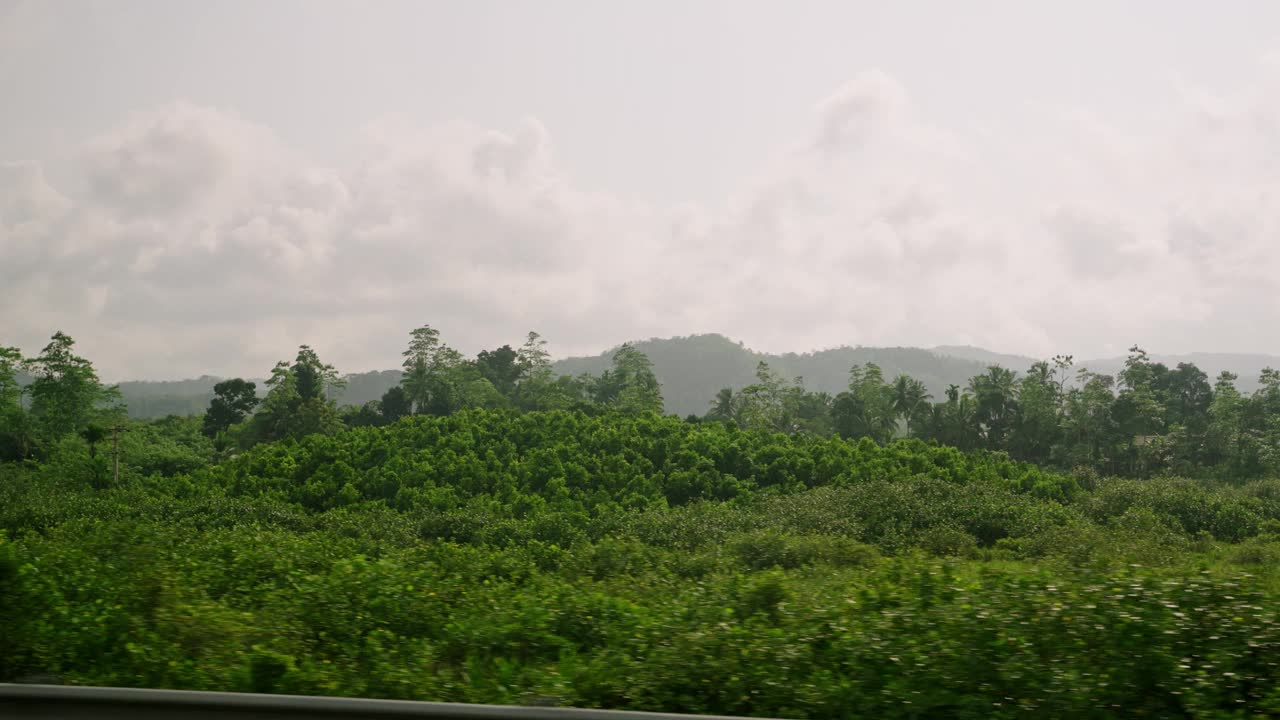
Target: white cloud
x: 203, y: 243
x: 855, y: 113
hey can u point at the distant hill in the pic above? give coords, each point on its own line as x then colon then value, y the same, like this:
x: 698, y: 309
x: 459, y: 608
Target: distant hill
x: 985, y: 357
x: 158, y: 398
x: 693, y: 368
x: 363, y: 387
x: 1247, y: 367
x: 148, y: 398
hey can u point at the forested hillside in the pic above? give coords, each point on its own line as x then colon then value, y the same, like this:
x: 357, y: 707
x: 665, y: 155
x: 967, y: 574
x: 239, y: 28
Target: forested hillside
x: 693, y: 368
x: 489, y: 530
x: 1146, y: 419
x: 1245, y: 366
x: 156, y: 399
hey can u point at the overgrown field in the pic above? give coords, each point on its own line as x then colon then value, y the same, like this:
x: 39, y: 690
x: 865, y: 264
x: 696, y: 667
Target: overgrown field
x: 641, y: 563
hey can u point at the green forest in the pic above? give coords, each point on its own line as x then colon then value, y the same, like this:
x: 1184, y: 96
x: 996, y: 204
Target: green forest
x: 1054, y: 542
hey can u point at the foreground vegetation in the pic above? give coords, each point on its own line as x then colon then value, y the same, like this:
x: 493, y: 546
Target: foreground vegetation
x: 491, y: 533
x: 643, y: 562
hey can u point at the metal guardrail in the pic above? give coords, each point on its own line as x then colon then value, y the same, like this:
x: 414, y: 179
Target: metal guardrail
x: 109, y: 703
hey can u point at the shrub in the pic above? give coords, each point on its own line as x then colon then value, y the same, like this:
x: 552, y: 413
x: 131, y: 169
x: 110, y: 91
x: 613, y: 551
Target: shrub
x: 948, y: 540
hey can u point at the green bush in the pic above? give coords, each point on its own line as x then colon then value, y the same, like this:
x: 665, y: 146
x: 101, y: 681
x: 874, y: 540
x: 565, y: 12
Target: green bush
x: 948, y: 541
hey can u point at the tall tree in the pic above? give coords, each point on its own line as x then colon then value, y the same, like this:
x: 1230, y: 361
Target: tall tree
x: 640, y: 390
x: 809, y: 412
x: 630, y: 385
x: 1139, y: 372
x: 953, y: 422
x: 1187, y: 395
x: 1036, y: 429
x: 394, y: 404
x: 725, y: 406
x: 1262, y: 421
x: 995, y: 395
x: 1090, y: 433
x: 460, y: 386
x: 866, y: 408
x: 316, y: 380
x: 16, y: 440
x: 298, y: 402
x: 910, y: 401
x: 1139, y: 412
x: 439, y: 381
x: 771, y: 403
x: 501, y: 367
x: 761, y: 405
x: 538, y: 387
x: 10, y: 391
x: 66, y: 395
x: 423, y: 362
x: 1229, y: 443
x: 1061, y: 372
x: 232, y: 402
x: 533, y: 357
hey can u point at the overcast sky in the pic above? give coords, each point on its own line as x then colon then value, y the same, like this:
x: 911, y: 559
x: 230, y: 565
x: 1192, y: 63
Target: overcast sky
x: 199, y: 187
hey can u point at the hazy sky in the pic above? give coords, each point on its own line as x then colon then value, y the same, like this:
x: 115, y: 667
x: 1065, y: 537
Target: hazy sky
x: 199, y: 187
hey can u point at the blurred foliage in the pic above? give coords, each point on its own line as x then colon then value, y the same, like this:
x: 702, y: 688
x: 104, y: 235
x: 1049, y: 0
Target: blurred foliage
x: 637, y: 561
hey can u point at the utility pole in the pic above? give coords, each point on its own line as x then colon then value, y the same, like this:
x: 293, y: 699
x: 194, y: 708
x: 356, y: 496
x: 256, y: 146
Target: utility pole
x: 115, y: 454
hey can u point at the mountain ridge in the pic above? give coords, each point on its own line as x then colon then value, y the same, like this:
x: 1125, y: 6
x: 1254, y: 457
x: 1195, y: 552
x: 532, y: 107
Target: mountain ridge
x: 692, y: 368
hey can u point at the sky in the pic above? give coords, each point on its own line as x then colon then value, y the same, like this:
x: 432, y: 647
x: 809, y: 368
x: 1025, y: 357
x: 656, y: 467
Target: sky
x: 193, y: 188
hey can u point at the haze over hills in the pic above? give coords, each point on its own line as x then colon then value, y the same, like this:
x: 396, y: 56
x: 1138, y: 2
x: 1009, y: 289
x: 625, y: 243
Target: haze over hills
x: 984, y: 356
x: 1246, y: 366
x: 693, y: 368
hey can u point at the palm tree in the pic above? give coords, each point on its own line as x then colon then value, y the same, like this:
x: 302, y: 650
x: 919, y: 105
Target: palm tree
x: 954, y: 422
x: 725, y: 406
x: 995, y: 396
x: 910, y: 399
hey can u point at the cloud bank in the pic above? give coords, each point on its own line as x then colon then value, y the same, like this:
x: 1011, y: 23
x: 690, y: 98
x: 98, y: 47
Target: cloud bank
x: 193, y: 240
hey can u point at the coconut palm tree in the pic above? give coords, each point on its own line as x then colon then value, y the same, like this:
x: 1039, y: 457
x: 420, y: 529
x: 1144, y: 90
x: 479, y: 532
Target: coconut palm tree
x: 953, y: 422
x: 725, y: 406
x: 910, y: 399
x: 995, y: 395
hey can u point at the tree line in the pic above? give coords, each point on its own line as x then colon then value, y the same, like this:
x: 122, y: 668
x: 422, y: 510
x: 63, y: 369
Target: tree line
x: 1147, y: 419
x: 65, y: 397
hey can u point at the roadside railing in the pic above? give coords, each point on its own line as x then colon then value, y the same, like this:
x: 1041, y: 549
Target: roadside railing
x: 58, y: 702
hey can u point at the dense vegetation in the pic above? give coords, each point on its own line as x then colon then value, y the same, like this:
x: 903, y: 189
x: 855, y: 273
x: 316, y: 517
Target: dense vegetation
x: 1147, y: 419
x: 490, y: 532
x: 693, y: 368
x: 690, y: 369
x: 1144, y: 418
